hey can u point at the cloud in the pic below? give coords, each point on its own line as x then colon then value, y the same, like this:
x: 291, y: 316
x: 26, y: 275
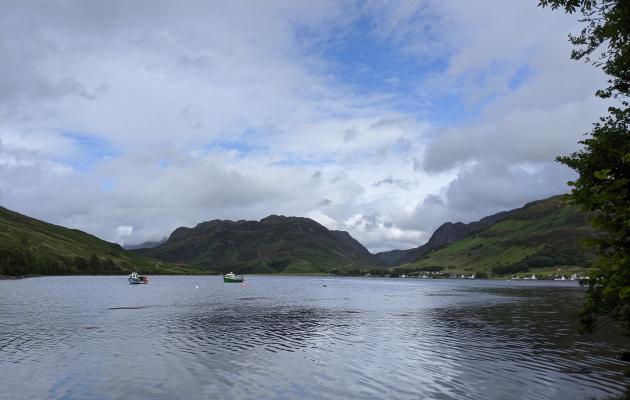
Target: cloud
x: 319, y: 216
x: 123, y: 232
x: 520, y: 135
x: 400, y: 183
x: 384, y: 119
x: 528, y: 103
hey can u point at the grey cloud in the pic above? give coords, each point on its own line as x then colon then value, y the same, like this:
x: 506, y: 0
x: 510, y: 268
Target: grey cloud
x: 325, y: 203
x: 533, y: 135
x: 485, y: 189
x: 350, y: 134
x: 368, y: 222
x: 400, y: 183
x: 433, y: 199
x: 386, y: 123
x: 426, y: 216
x: 177, y: 197
x: 417, y: 164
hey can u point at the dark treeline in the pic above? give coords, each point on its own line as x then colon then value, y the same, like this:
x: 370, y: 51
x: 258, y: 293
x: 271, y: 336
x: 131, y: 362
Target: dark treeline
x: 551, y: 256
x: 393, y: 273
x: 23, y: 260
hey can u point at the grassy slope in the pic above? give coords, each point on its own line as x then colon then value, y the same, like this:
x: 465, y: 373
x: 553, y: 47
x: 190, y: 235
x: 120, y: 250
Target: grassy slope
x: 545, y: 236
x: 30, y: 246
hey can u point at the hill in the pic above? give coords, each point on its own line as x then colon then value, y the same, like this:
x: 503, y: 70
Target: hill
x: 447, y: 233
x: 544, y: 235
x: 273, y: 244
x: 32, y: 247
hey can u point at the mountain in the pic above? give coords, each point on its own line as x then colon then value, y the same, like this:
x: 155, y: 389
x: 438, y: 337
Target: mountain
x: 145, y: 245
x: 447, y: 233
x: 273, y: 244
x: 32, y: 247
x: 543, y: 235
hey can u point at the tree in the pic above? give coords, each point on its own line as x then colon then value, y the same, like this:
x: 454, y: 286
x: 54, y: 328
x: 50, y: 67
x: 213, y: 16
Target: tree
x: 603, y: 163
x: 94, y: 263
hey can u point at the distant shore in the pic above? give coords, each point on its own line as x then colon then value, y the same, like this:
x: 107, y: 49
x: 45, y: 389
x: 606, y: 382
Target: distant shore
x: 7, y: 277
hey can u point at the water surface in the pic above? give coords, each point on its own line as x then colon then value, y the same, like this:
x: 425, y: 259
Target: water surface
x: 300, y: 337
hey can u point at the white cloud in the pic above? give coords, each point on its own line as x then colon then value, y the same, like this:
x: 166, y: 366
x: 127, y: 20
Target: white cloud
x: 154, y: 115
x: 123, y: 232
x: 319, y: 216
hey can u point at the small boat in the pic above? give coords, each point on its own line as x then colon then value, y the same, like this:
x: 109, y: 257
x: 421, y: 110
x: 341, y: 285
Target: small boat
x: 231, y: 277
x: 135, y: 279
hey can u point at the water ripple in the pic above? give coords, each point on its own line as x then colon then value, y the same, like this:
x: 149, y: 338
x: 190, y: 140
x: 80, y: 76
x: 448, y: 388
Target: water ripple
x: 288, y: 337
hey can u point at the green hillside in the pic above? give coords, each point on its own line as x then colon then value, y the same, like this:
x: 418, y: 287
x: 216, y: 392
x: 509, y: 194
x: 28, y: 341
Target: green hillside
x: 32, y: 247
x: 447, y: 233
x: 273, y: 244
x: 543, y: 236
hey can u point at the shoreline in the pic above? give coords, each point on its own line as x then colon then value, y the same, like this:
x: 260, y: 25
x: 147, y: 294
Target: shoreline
x: 317, y: 275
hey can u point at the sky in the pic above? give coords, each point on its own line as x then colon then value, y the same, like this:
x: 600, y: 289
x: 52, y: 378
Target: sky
x: 382, y: 118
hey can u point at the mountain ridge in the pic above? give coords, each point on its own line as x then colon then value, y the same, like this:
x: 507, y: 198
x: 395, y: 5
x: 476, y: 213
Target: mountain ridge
x: 539, y: 234
x: 544, y: 235
x: 447, y: 233
x: 276, y: 243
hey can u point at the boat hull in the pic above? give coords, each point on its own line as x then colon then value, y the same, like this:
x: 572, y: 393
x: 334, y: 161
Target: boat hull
x: 232, y: 280
x: 133, y: 281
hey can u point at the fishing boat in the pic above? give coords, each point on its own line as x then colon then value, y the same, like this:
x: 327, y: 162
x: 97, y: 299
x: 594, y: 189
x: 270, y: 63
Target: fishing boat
x: 135, y: 279
x: 231, y: 277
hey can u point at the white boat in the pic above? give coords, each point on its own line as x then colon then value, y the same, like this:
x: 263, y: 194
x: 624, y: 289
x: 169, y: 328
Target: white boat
x: 135, y: 279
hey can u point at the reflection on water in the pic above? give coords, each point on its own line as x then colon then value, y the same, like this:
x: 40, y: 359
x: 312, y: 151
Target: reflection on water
x: 291, y: 337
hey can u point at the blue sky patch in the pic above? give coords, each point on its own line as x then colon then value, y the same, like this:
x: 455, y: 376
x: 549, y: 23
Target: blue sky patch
x: 371, y: 65
x: 107, y: 185
x: 91, y: 150
x: 520, y: 76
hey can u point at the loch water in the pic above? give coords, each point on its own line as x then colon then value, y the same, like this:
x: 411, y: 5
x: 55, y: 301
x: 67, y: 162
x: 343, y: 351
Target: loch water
x: 291, y: 337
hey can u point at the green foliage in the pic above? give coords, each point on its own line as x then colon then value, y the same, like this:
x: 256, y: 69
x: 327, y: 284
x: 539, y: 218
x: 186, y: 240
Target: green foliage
x: 606, y: 23
x: 32, y: 247
x: 603, y: 163
x: 510, y: 269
